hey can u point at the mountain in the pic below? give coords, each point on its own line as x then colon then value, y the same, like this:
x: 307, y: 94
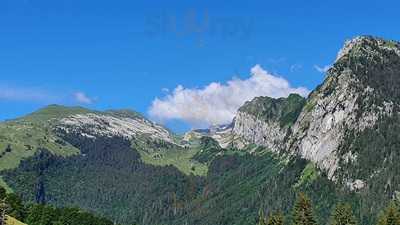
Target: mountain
x: 20, y: 138
x: 360, y: 92
x: 348, y: 127
x: 340, y: 144
x: 265, y: 121
x: 107, y: 162
x: 358, y: 98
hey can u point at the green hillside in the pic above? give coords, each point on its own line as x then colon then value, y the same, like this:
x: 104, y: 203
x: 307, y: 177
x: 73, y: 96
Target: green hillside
x: 13, y: 221
x: 22, y: 137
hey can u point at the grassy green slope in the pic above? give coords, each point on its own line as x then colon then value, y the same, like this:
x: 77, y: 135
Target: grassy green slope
x: 13, y: 221
x: 180, y: 158
x: 21, y: 138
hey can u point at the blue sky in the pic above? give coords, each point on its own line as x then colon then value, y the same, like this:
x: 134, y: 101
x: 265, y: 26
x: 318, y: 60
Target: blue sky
x: 124, y: 54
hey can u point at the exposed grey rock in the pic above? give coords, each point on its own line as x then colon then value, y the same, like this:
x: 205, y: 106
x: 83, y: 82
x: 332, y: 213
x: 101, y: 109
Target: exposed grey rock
x: 92, y: 125
x: 348, y: 100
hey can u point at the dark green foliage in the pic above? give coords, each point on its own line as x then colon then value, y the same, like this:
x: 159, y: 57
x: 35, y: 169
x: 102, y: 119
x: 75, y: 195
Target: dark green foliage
x: 378, y: 156
x: 292, y: 109
x: 209, y: 148
x: 47, y: 215
x: 3, y: 212
x: 275, y: 219
x: 391, y: 216
x: 303, y: 212
x: 3, y: 193
x: 343, y: 215
x: 108, y: 178
x: 262, y: 220
x: 284, y: 110
x: 17, y: 208
x: 376, y: 67
x: 8, y: 149
x: 38, y: 214
x: 111, y: 180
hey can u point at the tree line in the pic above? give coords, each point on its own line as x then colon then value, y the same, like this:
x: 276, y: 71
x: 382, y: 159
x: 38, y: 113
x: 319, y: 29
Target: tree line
x: 41, y: 214
x: 342, y: 214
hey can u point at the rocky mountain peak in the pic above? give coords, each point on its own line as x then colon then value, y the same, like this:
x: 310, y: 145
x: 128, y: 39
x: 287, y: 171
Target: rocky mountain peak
x: 373, y: 63
x: 363, y: 44
x: 362, y: 86
x: 284, y: 110
x: 110, y: 124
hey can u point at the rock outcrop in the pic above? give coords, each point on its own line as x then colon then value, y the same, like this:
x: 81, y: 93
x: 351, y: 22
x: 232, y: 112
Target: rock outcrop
x: 266, y: 121
x: 361, y: 87
x: 113, y: 124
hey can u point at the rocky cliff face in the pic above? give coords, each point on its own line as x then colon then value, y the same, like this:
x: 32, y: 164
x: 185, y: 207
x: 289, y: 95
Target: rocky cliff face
x: 224, y: 135
x: 266, y: 121
x: 361, y: 88
x: 350, y: 100
x: 112, y: 125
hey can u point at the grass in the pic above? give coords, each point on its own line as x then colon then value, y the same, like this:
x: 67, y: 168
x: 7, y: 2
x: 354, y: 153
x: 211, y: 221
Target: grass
x: 24, y: 138
x: 26, y: 134
x: 310, y: 106
x: 5, y: 185
x: 180, y: 158
x: 13, y: 221
x: 391, y: 44
x: 308, y: 175
x: 54, y: 112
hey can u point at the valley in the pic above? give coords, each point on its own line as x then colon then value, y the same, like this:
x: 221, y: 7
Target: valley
x: 341, y: 144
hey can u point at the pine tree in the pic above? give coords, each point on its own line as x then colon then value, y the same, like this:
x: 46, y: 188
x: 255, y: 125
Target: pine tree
x: 275, y: 219
x: 3, y: 211
x: 391, y: 216
x: 261, y: 218
x: 3, y: 193
x: 343, y: 215
x: 303, y: 212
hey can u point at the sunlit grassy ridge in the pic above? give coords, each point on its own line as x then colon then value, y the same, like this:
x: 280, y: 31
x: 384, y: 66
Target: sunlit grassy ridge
x: 180, y: 158
x: 22, y: 137
x: 13, y: 221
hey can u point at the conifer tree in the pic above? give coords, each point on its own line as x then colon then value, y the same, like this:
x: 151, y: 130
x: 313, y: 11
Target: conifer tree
x: 343, y: 215
x: 391, y: 216
x: 3, y: 211
x: 303, y: 212
x: 261, y: 218
x: 275, y: 219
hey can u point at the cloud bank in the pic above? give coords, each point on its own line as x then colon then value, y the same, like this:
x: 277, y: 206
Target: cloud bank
x: 322, y: 69
x: 38, y: 95
x: 218, y: 103
x: 82, y: 98
x: 9, y: 93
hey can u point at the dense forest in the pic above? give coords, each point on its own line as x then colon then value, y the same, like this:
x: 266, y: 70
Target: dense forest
x: 302, y: 213
x: 237, y: 185
x: 41, y: 214
x: 342, y: 214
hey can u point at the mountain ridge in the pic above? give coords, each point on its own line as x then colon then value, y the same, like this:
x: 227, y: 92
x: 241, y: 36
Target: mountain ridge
x: 341, y: 144
x: 350, y: 99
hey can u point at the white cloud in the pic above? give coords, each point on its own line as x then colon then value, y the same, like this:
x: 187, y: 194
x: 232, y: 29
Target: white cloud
x: 296, y: 67
x: 39, y: 95
x: 12, y: 93
x: 323, y: 69
x: 217, y: 103
x: 81, y: 97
